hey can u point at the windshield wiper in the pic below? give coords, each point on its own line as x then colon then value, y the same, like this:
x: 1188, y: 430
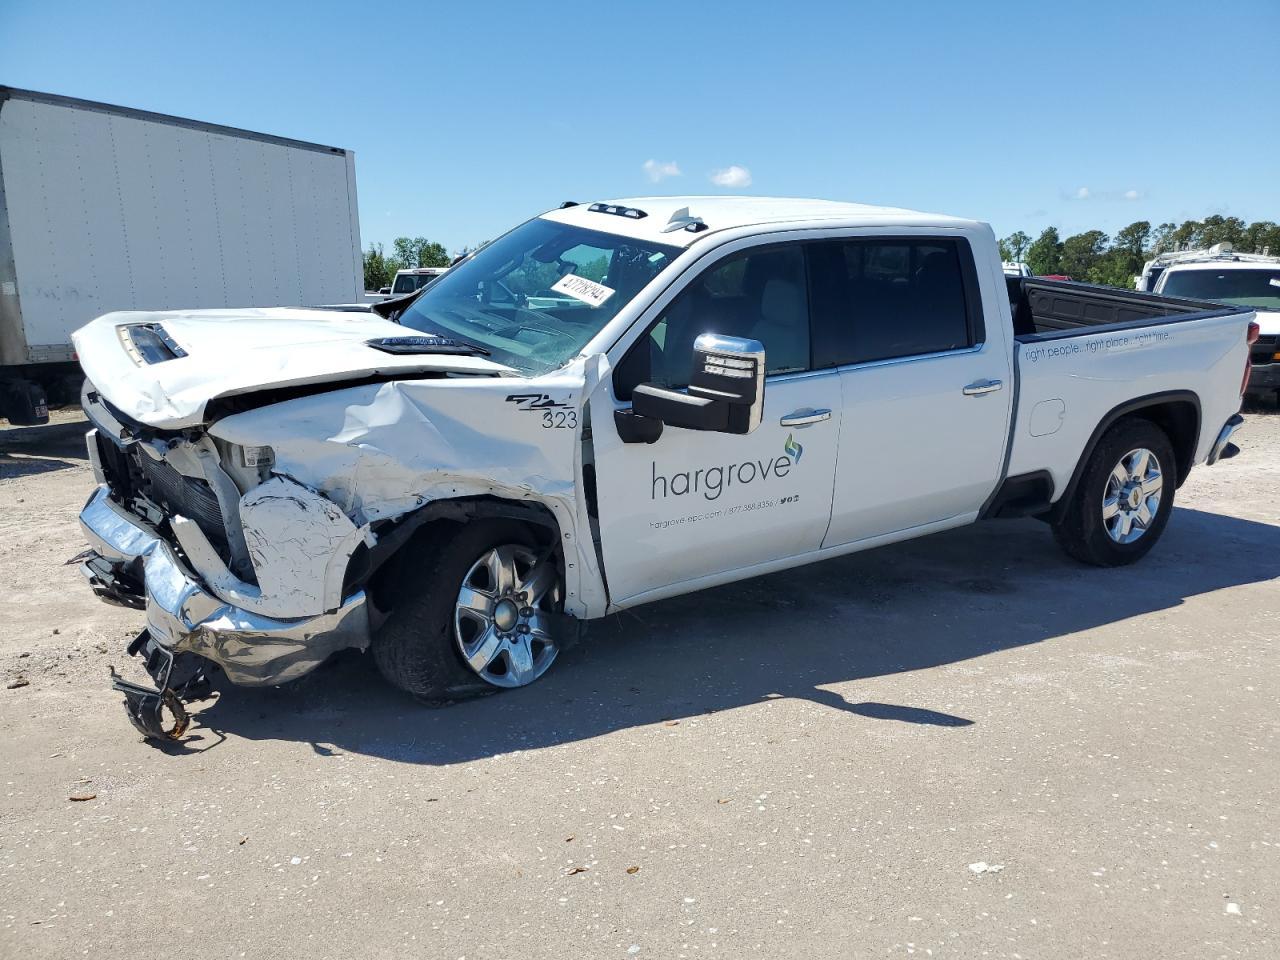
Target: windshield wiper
x: 427, y: 344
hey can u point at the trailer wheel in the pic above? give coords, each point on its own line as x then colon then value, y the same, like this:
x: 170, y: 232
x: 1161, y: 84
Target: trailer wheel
x: 469, y: 615
x: 1122, y: 503
x: 23, y: 403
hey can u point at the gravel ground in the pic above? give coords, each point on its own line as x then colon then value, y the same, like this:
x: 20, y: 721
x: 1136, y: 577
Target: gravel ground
x: 966, y: 746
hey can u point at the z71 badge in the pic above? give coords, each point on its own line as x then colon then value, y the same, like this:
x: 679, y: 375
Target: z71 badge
x: 556, y: 414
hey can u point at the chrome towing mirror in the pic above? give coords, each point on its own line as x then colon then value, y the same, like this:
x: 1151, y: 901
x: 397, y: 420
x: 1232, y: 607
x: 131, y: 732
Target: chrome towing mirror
x: 725, y: 393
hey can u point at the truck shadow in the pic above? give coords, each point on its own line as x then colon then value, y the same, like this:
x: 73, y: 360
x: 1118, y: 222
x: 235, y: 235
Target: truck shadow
x: 25, y: 451
x: 912, y: 606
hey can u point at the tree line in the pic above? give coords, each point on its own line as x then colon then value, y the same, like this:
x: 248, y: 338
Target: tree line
x: 1094, y: 257
x: 380, y: 268
x: 1091, y: 256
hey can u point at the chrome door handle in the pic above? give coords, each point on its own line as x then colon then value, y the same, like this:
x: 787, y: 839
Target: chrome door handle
x: 802, y: 417
x: 979, y: 387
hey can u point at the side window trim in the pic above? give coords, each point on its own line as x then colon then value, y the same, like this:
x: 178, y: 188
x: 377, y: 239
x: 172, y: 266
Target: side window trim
x: 910, y: 358
x: 972, y: 294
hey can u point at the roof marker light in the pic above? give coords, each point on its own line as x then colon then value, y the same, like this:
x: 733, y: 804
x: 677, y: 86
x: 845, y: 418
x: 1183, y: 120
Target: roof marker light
x: 633, y: 213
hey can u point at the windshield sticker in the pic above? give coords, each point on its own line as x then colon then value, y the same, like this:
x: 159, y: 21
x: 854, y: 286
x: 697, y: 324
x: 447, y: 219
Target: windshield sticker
x: 580, y: 288
x: 1274, y: 282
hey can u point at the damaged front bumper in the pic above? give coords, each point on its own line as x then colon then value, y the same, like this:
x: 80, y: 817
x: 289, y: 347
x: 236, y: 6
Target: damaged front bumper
x: 131, y: 563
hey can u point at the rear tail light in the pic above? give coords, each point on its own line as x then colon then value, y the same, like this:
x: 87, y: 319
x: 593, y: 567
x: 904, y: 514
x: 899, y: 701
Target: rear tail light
x: 1250, y: 338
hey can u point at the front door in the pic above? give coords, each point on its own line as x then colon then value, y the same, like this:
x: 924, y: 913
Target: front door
x: 699, y: 504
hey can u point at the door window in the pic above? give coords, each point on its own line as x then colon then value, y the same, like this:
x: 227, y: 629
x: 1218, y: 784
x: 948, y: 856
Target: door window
x: 891, y: 297
x: 759, y: 293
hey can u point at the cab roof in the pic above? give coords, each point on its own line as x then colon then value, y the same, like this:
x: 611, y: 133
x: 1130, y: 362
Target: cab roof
x: 679, y: 221
x: 1245, y: 262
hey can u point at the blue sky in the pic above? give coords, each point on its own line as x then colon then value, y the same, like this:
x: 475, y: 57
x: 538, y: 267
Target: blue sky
x: 468, y: 117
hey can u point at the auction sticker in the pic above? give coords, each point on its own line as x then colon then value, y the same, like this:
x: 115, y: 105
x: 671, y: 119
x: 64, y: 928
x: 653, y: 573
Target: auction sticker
x: 580, y: 288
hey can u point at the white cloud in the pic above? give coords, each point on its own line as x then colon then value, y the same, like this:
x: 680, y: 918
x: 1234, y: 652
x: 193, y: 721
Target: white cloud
x: 1082, y: 193
x: 1132, y: 195
x: 731, y: 176
x: 658, y: 170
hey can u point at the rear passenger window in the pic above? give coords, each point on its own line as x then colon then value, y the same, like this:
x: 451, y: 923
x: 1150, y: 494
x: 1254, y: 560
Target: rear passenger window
x: 886, y: 298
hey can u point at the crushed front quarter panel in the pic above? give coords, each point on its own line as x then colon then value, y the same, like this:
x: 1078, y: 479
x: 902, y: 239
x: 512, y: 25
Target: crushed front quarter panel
x: 379, y: 451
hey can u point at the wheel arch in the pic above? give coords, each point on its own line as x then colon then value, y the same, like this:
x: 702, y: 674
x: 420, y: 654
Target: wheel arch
x: 1176, y: 412
x: 374, y: 569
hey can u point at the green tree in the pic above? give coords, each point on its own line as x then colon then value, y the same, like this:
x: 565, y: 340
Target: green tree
x: 1162, y: 238
x: 1219, y: 229
x: 1044, y: 255
x: 1132, y: 240
x: 1262, y: 235
x: 1118, y: 266
x: 419, y: 252
x: 1187, y: 234
x: 1016, y: 244
x: 377, y: 272
x: 1081, y: 252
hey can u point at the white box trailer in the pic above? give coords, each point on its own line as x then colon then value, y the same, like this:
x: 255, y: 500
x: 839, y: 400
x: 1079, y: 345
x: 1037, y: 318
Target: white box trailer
x: 107, y: 208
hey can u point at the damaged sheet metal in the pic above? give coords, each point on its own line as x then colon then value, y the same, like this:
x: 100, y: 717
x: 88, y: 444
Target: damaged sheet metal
x: 253, y: 649
x: 233, y: 352
x: 380, y: 451
x: 298, y: 543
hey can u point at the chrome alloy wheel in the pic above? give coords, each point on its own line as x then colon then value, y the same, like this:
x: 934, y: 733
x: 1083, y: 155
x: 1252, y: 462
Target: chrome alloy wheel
x: 499, y: 622
x: 1132, y: 497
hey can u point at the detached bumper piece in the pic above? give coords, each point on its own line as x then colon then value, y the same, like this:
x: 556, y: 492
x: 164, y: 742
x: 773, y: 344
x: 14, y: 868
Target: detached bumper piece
x: 190, y: 630
x: 146, y: 706
x: 108, y: 581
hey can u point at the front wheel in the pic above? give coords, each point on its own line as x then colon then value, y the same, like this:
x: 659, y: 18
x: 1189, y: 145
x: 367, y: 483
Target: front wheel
x: 475, y: 617
x: 1123, y: 501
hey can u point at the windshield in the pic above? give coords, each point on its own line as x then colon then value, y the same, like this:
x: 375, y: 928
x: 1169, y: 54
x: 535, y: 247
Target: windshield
x: 534, y: 298
x: 1247, y: 288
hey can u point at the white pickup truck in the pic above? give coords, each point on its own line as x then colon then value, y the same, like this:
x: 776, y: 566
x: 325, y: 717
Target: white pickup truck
x: 1241, y: 279
x: 612, y: 404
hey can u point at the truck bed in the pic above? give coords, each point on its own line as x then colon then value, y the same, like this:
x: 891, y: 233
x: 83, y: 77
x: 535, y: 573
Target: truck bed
x: 1052, y: 309
x: 1085, y: 354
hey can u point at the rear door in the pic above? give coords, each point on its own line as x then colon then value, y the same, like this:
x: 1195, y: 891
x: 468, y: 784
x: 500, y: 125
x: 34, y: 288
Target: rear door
x: 699, y: 504
x: 926, y: 394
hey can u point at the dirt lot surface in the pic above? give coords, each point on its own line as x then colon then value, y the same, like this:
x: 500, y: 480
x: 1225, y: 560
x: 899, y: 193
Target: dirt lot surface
x: 966, y: 746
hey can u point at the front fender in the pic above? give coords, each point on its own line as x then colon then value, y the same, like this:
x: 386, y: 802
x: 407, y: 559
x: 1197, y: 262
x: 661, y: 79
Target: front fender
x: 299, y: 544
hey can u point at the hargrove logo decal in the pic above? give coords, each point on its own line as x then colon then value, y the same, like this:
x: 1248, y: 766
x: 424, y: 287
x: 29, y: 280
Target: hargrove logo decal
x: 711, y: 482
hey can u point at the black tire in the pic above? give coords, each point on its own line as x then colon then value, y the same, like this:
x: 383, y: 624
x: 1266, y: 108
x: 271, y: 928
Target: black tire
x: 1081, y: 530
x: 415, y: 648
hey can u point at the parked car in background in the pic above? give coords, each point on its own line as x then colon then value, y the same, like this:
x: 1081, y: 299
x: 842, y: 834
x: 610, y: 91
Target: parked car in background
x: 612, y: 404
x: 1015, y: 269
x: 108, y: 208
x: 415, y: 278
x: 1248, y: 280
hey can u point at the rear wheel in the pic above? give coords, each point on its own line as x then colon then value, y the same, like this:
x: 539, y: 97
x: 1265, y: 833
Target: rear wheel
x: 472, y: 617
x: 1122, y: 503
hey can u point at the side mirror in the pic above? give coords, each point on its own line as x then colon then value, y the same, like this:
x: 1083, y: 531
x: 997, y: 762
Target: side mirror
x: 725, y: 394
x: 384, y: 290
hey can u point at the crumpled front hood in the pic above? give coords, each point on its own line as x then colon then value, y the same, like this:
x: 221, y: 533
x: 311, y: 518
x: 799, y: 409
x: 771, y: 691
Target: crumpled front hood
x: 222, y: 353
